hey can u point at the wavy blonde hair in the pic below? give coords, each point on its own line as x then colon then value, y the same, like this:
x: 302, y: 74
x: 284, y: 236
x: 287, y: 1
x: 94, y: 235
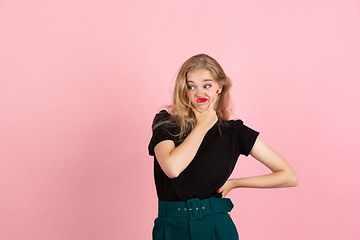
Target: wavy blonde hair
x: 181, y: 111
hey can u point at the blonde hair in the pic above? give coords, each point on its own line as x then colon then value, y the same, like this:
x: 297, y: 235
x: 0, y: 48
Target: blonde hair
x: 181, y: 111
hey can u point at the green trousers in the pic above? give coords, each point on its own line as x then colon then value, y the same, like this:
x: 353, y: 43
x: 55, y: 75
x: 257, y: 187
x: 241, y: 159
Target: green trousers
x: 195, y: 219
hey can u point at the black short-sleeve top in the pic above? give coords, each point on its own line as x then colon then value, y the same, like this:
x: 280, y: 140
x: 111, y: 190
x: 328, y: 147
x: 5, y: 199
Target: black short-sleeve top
x: 212, y: 165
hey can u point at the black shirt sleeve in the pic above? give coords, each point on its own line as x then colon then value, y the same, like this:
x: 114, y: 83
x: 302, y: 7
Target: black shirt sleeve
x: 245, y: 137
x: 160, y: 133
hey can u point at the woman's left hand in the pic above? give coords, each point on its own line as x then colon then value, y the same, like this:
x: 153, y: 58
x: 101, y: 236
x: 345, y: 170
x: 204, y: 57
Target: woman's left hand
x: 226, y: 188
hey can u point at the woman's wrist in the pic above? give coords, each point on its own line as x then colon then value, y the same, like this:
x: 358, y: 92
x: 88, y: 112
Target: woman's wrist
x: 201, y: 128
x: 235, y: 183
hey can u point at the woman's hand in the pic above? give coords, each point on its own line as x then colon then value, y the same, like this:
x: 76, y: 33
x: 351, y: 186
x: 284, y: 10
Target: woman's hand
x: 207, y: 118
x: 226, y: 188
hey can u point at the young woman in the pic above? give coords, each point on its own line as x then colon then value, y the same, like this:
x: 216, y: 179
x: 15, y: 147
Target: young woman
x: 195, y: 147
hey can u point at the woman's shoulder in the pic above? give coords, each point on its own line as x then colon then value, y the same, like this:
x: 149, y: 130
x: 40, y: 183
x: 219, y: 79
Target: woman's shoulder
x: 163, y: 113
x: 237, y: 126
x: 161, y: 116
x: 233, y: 123
x: 165, y: 120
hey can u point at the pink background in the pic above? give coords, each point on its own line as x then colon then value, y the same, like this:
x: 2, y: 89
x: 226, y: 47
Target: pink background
x: 80, y: 82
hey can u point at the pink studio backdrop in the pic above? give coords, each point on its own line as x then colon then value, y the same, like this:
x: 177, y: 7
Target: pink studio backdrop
x: 80, y: 82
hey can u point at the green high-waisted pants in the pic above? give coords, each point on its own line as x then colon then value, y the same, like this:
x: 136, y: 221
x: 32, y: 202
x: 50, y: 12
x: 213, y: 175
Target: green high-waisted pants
x: 195, y: 219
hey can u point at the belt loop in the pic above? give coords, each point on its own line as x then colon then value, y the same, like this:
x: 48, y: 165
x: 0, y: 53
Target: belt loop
x: 211, y: 204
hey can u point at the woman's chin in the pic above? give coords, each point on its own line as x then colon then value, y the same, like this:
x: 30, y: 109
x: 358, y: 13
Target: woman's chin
x: 202, y: 108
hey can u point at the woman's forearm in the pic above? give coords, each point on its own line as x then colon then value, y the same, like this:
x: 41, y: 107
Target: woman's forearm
x: 182, y: 155
x: 173, y: 162
x: 277, y: 179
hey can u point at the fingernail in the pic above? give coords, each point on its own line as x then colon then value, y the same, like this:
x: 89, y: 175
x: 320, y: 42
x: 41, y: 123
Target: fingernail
x: 218, y: 191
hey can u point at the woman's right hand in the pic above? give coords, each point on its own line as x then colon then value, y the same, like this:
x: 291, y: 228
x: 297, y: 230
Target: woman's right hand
x: 207, y: 118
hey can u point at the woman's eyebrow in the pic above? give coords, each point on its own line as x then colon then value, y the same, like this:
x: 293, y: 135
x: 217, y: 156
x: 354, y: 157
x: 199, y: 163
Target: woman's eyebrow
x: 205, y: 80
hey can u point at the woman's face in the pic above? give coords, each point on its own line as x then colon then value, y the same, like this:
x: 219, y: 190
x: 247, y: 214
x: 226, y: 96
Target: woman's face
x: 202, y: 88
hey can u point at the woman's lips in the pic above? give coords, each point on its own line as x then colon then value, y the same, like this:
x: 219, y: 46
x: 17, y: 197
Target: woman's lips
x: 201, y: 100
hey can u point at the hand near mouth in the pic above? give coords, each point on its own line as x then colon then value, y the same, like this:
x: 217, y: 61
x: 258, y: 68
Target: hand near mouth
x: 206, y: 118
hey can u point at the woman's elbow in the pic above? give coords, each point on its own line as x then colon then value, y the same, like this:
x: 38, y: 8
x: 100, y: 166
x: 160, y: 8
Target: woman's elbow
x: 171, y: 172
x: 170, y: 169
x: 293, y: 179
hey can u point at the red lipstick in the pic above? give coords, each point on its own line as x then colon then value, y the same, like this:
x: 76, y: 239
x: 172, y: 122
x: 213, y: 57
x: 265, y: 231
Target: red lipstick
x: 201, y: 100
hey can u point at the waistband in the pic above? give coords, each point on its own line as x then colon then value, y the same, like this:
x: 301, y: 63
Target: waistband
x: 195, y: 208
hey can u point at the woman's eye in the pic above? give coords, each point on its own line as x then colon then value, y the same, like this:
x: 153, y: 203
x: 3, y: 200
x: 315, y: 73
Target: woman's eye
x: 207, y: 86
x: 191, y: 87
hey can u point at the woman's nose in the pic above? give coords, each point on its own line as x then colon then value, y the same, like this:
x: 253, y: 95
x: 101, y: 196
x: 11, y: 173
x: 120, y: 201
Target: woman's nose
x: 199, y: 93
